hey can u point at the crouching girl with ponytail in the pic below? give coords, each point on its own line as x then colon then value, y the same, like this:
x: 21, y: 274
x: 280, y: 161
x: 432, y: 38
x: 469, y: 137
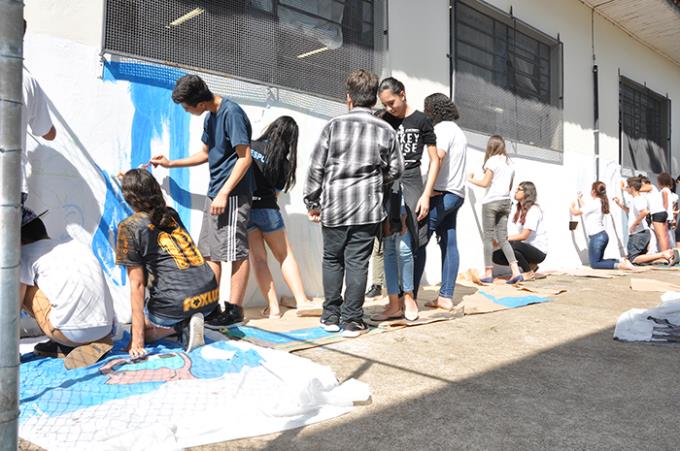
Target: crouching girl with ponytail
x: 593, y: 211
x: 160, y: 256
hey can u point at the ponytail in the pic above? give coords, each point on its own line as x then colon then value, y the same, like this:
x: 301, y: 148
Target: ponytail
x: 600, y: 190
x: 143, y: 193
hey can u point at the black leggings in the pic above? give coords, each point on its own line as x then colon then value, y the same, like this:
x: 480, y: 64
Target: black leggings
x: 526, y: 255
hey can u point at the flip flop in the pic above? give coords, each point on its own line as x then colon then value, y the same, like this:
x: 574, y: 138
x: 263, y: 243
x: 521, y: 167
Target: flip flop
x: 88, y: 354
x: 675, y: 258
x: 435, y: 305
x: 383, y: 317
x: 265, y: 312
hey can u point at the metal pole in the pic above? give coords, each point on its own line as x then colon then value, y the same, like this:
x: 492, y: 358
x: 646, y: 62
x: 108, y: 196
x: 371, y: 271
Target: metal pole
x: 11, y: 55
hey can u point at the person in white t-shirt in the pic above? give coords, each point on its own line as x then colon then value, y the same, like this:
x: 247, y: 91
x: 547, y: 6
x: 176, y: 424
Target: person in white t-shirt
x: 593, y: 211
x: 63, y: 288
x: 449, y: 191
x: 498, y: 176
x: 34, y: 113
x: 526, y: 232
x: 638, y: 230
x: 657, y: 212
x: 668, y: 199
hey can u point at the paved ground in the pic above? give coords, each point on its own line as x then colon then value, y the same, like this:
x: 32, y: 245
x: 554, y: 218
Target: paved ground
x: 548, y: 376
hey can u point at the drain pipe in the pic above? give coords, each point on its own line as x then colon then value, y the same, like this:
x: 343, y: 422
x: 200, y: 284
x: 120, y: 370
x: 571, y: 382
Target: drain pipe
x: 596, y: 99
x: 11, y: 51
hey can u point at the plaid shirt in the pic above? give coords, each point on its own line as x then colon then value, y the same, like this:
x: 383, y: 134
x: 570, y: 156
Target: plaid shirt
x: 357, y: 155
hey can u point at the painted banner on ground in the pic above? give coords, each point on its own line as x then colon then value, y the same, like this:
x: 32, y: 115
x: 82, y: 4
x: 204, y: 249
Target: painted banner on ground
x: 222, y: 391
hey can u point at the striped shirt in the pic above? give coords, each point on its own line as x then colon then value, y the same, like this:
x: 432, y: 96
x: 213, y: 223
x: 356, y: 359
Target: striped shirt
x: 357, y: 155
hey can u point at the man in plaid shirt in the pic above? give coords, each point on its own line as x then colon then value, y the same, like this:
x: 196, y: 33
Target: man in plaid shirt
x: 356, y: 157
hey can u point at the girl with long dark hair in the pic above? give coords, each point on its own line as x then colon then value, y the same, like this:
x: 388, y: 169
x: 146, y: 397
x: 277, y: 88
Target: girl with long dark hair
x: 275, y: 161
x: 593, y: 211
x: 160, y: 256
x: 526, y: 232
x: 414, y: 132
x: 499, y: 173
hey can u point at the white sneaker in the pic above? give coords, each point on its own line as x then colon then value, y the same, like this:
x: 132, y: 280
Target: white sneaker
x: 194, y: 336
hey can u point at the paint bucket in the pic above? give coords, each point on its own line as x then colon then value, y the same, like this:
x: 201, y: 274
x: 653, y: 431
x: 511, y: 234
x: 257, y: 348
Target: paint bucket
x: 572, y: 225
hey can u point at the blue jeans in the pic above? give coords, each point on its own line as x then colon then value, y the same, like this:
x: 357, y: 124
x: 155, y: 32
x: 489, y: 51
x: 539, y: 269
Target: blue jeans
x: 398, y: 263
x: 596, y: 245
x: 443, y: 215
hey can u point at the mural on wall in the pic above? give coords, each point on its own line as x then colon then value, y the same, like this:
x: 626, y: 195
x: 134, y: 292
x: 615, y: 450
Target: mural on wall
x: 150, y: 92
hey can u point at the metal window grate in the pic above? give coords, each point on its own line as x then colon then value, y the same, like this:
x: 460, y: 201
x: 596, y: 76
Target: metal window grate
x: 508, y: 77
x: 645, y: 128
x: 304, y: 45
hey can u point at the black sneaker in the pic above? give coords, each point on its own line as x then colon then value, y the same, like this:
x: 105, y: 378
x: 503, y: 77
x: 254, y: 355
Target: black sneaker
x: 330, y: 324
x: 192, y: 333
x: 52, y: 349
x: 231, y: 316
x: 352, y: 329
x: 374, y: 291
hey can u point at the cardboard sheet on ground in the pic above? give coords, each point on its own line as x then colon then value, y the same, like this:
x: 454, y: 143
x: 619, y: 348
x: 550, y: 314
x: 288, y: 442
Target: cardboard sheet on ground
x: 293, y: 333
x: 222, y: 391
x: 288, y: 333
x: 494, y: 298
x: 640, y: 284
x: 659, y: 324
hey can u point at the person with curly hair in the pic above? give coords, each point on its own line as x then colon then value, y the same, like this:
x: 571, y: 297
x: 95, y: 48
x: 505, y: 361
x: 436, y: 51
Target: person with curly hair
x: 448, y: 194
x: 159, y: 255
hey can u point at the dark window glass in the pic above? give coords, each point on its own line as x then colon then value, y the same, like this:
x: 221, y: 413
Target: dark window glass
x: 645, y: 131
x: 508, y: 81
x: 304, y: 45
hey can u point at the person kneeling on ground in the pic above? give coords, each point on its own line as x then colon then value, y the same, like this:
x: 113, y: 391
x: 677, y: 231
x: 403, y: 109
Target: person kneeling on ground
x: 160, y: 255
x: 526, y: 232
x: 593, y: 211
x: 63, y: 288
x: 639, y: 235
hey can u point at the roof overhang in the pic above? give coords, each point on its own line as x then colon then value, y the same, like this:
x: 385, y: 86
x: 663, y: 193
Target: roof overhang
x: 655, y: 23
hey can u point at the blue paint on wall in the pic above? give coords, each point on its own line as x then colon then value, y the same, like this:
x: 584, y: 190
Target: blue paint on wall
x: 104, y: 238
x: 150, y: 91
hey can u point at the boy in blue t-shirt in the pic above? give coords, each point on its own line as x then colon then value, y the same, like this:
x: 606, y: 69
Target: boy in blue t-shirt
x: 226, y: 148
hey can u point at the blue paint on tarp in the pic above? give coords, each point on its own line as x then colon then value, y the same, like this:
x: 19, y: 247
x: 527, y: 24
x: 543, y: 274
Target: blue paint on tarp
x: 513, y: 302
x: 151, y: 94
x: 279, y: 338
x: 47, y: 388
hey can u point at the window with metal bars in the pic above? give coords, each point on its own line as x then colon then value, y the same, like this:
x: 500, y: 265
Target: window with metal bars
x: 508, y: 76
x: 644, y: 128
x: 308, y: 46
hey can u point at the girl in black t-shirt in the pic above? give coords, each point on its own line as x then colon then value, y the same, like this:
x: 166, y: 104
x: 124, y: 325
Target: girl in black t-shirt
x: 161, y: 258
x: 414, y: 132
x: 274, y: 163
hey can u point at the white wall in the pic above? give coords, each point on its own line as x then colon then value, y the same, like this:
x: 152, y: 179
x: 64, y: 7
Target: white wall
x: 95, y: 119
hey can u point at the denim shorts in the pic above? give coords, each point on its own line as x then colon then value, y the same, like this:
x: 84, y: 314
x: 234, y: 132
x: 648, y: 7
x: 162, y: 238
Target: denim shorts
x: 159, y: 322
x: 267, y: 220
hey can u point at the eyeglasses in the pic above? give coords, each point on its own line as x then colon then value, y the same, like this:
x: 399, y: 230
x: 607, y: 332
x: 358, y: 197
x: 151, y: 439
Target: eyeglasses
x: 519, y: 189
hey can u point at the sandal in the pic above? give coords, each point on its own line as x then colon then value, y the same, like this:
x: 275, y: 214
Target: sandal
x: 265, y: 313
x: 384, y: 317
x: 487, y: 280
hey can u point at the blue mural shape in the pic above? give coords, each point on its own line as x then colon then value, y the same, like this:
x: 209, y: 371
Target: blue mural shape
x: 151, y: 94
x: 47, y: 388
x: 104, y: 238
